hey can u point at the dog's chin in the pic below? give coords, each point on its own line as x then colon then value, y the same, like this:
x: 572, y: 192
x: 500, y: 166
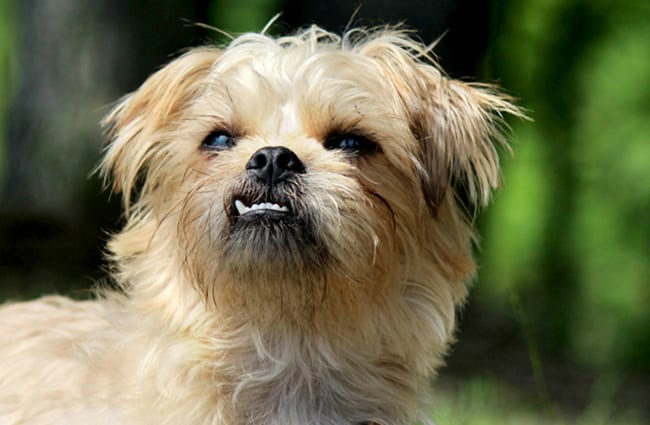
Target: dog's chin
x: 272, y: 241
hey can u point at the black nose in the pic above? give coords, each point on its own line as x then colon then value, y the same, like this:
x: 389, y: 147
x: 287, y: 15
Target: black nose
x: 274, y: 163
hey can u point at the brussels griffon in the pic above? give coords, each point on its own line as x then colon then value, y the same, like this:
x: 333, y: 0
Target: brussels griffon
x: 294, y: 246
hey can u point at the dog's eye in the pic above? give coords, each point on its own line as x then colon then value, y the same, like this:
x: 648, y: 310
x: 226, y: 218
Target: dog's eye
x: 218, y: 140
x: 351, y: 143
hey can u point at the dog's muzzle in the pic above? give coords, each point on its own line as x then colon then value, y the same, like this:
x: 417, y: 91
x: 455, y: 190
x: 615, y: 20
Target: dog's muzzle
x: 270, y: 218
x: 269, y: 172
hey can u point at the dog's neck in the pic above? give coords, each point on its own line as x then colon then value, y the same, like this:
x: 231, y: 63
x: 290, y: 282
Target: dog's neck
x: 289, y: 377
x: 284, y: 374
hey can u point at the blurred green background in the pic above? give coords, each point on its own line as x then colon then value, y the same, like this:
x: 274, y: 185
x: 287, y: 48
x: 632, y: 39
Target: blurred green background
x: 557, y: 330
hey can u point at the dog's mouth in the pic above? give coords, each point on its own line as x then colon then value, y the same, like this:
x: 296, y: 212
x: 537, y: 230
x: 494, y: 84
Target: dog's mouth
x: 252, y: 206
x: 272, y: 225
x: 242, y: 209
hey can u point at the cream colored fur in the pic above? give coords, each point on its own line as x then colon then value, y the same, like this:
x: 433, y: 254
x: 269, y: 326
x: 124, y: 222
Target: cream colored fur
x: 212, y: 328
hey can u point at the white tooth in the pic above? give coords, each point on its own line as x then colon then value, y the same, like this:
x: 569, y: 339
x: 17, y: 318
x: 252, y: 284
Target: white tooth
x: 241, y: 208
x: 277, y: 207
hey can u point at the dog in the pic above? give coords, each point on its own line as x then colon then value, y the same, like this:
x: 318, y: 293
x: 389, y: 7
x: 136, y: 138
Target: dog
x: 298, y: 236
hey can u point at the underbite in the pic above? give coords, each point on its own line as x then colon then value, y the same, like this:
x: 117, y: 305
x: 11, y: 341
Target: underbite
x: 260, y: 207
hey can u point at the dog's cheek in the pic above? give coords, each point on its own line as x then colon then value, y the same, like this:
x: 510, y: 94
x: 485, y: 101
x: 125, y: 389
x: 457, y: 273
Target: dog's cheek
x: 355, y: 224
x: 198, y: 210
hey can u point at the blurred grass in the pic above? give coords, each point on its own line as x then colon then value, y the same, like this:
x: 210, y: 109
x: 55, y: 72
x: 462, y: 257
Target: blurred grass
x: 487, y: 402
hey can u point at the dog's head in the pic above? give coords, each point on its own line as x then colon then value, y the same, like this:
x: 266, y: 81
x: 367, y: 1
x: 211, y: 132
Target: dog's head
x: 310, y: 176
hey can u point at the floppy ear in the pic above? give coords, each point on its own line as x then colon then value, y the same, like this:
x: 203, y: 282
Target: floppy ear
x: 133, y: 126
x: 459, y: 126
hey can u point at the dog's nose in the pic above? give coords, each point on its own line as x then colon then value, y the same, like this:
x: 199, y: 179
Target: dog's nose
x: 274, y: 163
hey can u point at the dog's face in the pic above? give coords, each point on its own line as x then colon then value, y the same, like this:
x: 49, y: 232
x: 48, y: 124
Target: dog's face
x: 304, y: 177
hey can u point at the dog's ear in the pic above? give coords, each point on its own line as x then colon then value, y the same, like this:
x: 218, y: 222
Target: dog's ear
x: 133, y: 125
x: 458, y: 125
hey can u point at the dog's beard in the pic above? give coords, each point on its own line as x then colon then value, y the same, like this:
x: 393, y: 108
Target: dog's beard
x: 313, y: 256
x: 257, y: 261
x: 271, y: 233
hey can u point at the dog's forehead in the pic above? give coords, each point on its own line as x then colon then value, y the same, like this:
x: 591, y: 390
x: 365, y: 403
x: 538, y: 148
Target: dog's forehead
x: 268, y: 57
x: 287, y: 72
x: 298, y: 89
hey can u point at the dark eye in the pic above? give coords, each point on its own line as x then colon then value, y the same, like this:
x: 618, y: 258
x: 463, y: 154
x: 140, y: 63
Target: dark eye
x: 219, y: 140
x: 351, y: 143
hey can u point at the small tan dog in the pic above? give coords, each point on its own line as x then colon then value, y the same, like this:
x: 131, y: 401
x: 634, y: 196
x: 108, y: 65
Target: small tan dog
x: 294, y: 248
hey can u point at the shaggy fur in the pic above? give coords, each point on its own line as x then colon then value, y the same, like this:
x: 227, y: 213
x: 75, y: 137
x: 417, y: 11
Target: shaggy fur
x: 336, y: 312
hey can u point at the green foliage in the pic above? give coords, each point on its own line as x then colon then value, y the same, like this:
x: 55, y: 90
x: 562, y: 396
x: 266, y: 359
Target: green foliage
x: 244, y: 15
x: 612, y: 232
x: 6, y: 72
x: 570, y: 232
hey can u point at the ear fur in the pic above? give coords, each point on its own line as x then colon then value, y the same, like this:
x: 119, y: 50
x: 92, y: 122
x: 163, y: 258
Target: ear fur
x: 132, y: 125
x: 460, y: 125
x: 457, y: 124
